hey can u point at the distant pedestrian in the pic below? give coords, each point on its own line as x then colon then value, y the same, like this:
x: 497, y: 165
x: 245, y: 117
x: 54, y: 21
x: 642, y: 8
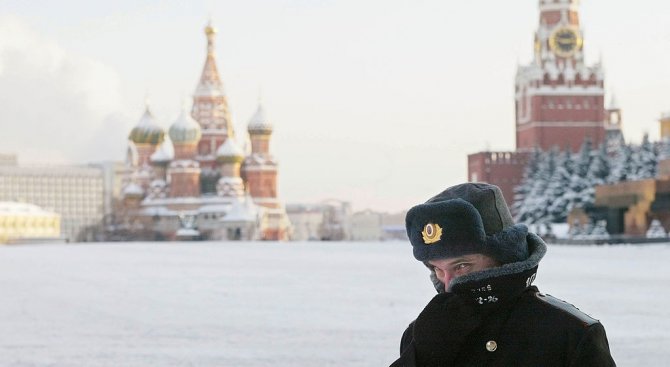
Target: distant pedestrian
x: 487, y: 312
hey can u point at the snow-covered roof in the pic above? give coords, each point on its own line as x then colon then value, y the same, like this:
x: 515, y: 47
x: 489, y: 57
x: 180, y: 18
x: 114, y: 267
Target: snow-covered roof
x: 157, y: 210
x: 158, y: 183
x: 259, y: 122
x: 243, y: 210
x: 256, y: 159
x: 185, y: 129
x: 23, y: 209
x: 200, y: 200
x: 165, y: 151
x: 187, y: 232
x: 215, y: 208
x: 133, y: 189
x: 230, y: 180
x: 184, y: 163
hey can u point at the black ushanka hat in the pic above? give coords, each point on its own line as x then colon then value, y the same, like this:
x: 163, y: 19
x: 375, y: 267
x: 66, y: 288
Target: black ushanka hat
x: 466, y: 219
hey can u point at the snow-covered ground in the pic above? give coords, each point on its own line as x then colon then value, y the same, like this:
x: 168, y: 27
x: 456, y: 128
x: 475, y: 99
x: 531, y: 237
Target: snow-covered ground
x: 282, y: 304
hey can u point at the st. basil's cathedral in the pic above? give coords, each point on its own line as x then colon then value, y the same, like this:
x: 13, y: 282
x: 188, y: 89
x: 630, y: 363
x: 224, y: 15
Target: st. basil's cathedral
x: 200, y: 179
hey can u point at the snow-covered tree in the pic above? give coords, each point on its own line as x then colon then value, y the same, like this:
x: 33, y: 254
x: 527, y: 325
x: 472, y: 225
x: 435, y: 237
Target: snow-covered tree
x: 583, y: 159
x: 557, y: 182
x: 557, y: 188
x: 646, y: 160
x: 656, y: 230
x: 522, y: 190
x: 622, y: 165
x: 534, y: 206
x: 599, y: 170
x: 600, y: 230
x: 581, y: 190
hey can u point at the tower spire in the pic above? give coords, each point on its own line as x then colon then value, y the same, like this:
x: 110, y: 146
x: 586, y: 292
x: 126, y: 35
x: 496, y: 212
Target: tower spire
x: 210, y: 107
x: 210, y: 81
x: 210, y: 32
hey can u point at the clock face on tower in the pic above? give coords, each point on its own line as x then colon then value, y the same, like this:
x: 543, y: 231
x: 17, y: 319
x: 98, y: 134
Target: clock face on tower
x: 565, y: 41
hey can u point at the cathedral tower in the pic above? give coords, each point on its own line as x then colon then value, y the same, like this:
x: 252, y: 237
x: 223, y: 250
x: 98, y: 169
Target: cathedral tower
x: 230, y: 157
x: 260, y: 168
x: 210, y: 109
x: 260, y: 174
x: 184, y: 171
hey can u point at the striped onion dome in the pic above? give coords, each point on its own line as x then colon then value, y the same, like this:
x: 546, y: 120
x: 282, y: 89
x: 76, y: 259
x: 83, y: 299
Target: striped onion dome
x: 185, y: 130
x: 259, y: 124
x: 147, y: 131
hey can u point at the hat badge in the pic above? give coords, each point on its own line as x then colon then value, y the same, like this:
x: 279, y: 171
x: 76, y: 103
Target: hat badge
x: 431, y: 233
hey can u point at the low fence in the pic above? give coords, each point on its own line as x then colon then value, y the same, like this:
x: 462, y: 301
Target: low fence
x: 611, y: 240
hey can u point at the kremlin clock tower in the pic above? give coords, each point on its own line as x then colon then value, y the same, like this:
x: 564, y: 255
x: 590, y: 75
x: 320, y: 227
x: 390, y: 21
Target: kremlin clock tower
x: 559, y: 100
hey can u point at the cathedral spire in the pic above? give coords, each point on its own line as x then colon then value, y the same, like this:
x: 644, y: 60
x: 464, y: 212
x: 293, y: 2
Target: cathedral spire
x: 210, y: 81
x: 210, y: 107
x: 210, y: 32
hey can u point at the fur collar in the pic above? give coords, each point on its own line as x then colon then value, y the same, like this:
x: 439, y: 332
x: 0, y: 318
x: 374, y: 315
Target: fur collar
x: 536, y: 247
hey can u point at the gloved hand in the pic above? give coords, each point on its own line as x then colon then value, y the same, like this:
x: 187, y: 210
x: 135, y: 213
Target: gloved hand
x: 441, y: 329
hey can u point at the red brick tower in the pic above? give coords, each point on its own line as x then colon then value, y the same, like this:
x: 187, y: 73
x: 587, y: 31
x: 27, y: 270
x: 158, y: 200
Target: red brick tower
x: 184, y: 170
x: 260, y: 173
x: 260, y: 168
x: 559, y: 99
x: 210, y: 110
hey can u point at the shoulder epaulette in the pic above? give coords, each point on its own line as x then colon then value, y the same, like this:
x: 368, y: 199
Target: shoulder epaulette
x: 567, y: 308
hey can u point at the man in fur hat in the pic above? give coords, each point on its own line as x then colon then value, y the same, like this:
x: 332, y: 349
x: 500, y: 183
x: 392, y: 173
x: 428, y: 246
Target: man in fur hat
x: 487, y: 312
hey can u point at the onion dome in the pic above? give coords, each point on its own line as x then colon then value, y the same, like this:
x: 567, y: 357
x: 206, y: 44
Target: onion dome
x: 185, y: 130
x: 259, y: 123
x: 147, y: 130
x: 229, y: 152
x: 164, y: 153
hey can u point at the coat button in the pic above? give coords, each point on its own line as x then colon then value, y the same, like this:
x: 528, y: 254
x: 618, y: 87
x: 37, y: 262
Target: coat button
x: 491, y: 345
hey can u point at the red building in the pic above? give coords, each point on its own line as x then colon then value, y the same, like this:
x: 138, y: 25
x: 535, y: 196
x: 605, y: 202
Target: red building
x: 559, y: 100
x: 504, y: 169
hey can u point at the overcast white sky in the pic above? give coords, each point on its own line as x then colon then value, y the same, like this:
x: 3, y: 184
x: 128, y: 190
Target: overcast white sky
x: 375, y: 102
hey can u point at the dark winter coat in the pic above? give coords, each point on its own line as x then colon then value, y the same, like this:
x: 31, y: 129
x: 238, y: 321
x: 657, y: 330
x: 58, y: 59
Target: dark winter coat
x: 496, y: 318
